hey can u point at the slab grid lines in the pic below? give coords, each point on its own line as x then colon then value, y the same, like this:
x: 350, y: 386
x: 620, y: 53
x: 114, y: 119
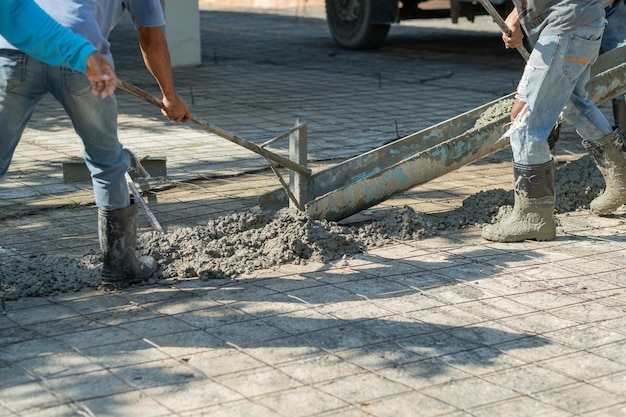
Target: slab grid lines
x: 450, y: 325
x: 446, y: 358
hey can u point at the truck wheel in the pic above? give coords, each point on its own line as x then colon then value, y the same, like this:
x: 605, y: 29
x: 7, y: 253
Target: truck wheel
x: 350, y: 24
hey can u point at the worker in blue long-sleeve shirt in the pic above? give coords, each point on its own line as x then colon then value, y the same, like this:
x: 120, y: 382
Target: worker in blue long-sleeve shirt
x: 33, y: 31
x: 25, y: 80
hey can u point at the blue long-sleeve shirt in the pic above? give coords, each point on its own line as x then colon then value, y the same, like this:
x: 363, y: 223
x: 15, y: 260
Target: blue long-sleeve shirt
x: 31, y: 30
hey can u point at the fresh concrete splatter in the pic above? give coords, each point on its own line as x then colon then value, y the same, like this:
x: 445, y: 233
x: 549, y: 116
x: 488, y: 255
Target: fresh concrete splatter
x: 244, y: 242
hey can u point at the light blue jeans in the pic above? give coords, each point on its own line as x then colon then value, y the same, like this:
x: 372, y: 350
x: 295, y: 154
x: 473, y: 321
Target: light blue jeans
x: 23, y: 83
x: 615, y: 32
x: 555, y: 77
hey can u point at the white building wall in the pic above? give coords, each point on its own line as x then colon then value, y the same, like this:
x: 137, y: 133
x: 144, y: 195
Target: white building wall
x: 182, y: 30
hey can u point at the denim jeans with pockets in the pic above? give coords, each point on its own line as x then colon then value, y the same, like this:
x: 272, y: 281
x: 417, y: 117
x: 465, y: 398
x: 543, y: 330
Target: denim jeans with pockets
x: 554, y: 79
x: 23, y: 83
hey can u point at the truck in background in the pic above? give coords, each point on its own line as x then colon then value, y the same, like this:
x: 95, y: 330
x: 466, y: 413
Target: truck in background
x: 364, y: 24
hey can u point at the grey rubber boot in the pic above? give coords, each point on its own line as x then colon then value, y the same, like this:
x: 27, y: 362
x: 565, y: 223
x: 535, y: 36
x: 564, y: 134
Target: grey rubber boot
x: 117, y: 230
x: 619, y: 113
x: 609, y: 154
x: 533, y: 212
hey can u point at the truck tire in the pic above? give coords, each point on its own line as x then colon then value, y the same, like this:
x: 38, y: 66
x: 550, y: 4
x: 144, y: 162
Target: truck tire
x: 350, y: 23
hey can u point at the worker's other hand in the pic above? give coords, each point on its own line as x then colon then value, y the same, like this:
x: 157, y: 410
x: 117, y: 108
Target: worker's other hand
x: 518, y: 106
x: 176, y: 109
x: 101, y: 75
x: 516, y: 37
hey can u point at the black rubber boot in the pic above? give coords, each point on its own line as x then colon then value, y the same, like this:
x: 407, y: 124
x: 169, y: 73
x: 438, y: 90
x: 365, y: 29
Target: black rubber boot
x: 619, y: 113
x: 117, y: 230
x: 609, y: 154
x: 533, y: 213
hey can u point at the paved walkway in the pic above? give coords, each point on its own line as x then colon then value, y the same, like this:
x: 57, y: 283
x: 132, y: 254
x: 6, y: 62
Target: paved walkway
x: 446, y: 326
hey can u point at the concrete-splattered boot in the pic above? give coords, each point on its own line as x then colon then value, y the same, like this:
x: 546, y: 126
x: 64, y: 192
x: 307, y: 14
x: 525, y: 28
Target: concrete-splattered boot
x: 117, y: 230
x: 609, y: 154
x: 533, y: 212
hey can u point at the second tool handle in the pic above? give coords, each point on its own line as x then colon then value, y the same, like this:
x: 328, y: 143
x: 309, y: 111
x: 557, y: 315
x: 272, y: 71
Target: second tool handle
x: 502, y: 25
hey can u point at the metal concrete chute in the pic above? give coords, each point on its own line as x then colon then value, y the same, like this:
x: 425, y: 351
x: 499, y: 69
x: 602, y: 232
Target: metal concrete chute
x: 432, y: 161
x: 371, y: 178
x: 375, y: 162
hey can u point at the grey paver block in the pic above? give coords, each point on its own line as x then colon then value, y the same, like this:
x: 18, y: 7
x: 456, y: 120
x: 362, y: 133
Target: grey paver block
x: 62, y: 326
x: 97, y: 337
x: 615, y: 383
x: 87, y: 385
x: 59, y: 364
x: 537, y: 322
x: 481, y: 360
x: 521, y: 406
x: 529, y: 379
x: 303, y: 401
x: 583, y: 366
x: 123, y: 354
x: 55, y: 411
x: 238, y: 408
x: 183, y: 344
x: 352, y: 411
x: 16, y: 334
x: 156, y: 326
x: 496, y: 308
x: 246, y: 333
x: 224, y: 361
x: 435, y: 344
x: 580, y: 397
x: 124, y: 316
x: 617, y: 410
x: 423, y: 373
x: 345, y: 335
x: 283, y: 350
x: 42, y: 313
x: 534, y: 349
x: 446, y: 315
x: 408, y: 404
x: 27, y: 397
x: 614, y: 351
x: 32, y: 348
x: 11, y: 374
x: 320, y: 368
x: 126, y: 404
x: 258, y: 382
x: 155, y: 374
x: 213, y: 316
x: 361, y: 389
x: 379, y: 356
x: 192, y: 395
x: 469, y: 393
x: 586, y: 336
x: 94, y: 302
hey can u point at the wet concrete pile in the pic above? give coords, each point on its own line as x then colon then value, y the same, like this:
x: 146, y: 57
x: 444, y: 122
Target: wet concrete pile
x: 244, y: 242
